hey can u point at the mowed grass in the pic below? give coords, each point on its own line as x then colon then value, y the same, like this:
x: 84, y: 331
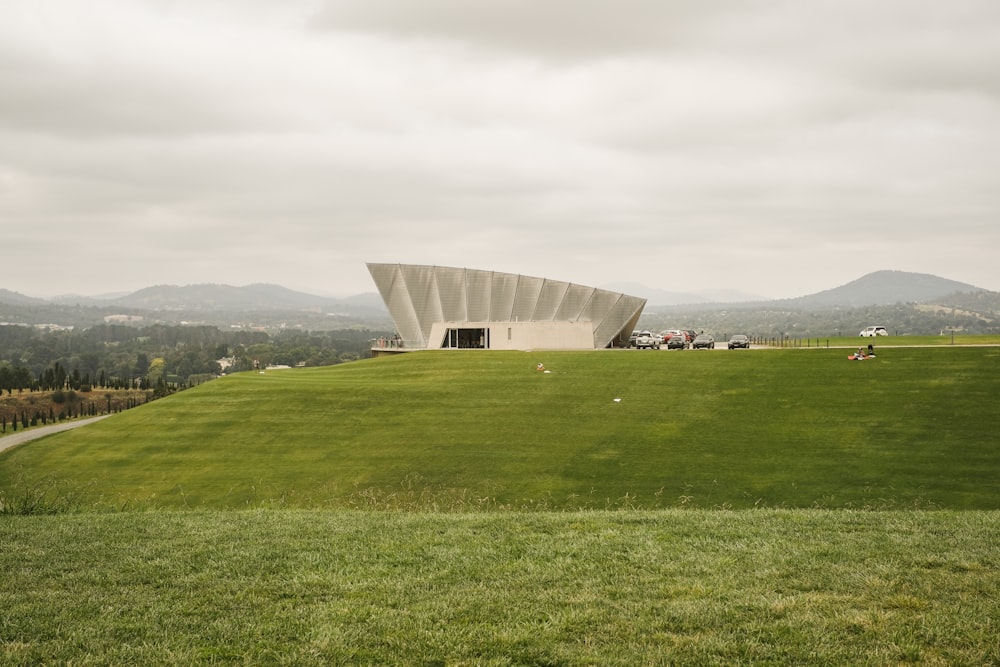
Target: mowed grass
x: 892, y: 341
x: 473, y: 446
x: 629, y: 587
x: 461, y: 431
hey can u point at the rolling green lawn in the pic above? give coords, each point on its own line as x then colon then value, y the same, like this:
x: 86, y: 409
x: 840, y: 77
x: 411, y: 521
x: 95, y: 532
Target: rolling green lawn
x: 628, y: 587
x: 895, y: 341
x: 465, y: 509
x: 913, y: 428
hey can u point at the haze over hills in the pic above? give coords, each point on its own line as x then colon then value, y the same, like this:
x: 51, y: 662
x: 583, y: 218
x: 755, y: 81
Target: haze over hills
x: 655, y: 296
x: 7, y: 296
x: 874, y: 289
x: 258, y: 296
x: 884, y: 288
x: 211, y: 296
x: 877, y: 288
x: 270, y: 306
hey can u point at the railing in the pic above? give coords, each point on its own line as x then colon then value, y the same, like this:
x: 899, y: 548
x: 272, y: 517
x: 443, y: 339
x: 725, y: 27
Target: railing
x: 388, y: 343
x: 789, y: 342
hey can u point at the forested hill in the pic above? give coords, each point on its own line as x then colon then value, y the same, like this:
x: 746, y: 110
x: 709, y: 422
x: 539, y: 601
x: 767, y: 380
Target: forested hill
x: 227, y: 297
x: 905, y: 303
x: 257, y: 307
x: 883, y: 288
x: 6, y: 296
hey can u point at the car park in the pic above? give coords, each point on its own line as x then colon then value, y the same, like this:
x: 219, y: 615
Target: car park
x: 868, y: 332
x: 739, y: 341
x: 703, y: 342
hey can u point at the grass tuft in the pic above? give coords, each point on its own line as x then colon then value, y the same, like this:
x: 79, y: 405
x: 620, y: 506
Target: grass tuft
x: 47, y: 495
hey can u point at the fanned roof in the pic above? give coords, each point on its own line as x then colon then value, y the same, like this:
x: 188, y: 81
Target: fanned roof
x: 417, y: 296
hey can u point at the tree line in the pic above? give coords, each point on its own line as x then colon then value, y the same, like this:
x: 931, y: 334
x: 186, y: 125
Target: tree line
x: 981, y: 316
x: 159, y: 357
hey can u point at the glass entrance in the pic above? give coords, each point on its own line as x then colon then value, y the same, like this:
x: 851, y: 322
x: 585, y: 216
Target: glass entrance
x: 467, y: 339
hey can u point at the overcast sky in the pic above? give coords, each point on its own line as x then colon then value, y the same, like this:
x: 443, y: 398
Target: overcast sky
x: 778, y: 148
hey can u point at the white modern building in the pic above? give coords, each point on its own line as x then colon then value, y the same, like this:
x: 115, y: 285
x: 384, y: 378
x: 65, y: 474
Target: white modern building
x: 435, y: 307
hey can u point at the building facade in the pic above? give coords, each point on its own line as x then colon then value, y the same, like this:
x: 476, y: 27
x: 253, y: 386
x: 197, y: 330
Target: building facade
x: 439, y: 307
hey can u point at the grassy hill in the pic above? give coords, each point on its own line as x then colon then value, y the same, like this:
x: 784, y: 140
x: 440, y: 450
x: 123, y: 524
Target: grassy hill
x: 914, y: 427
x: 460, y: 441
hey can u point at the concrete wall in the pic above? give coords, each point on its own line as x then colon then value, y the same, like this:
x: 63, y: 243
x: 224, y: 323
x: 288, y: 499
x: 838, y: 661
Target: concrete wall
x: 523, y: 335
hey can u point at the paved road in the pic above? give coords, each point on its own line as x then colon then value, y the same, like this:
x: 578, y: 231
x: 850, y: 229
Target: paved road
x: 21, y: 437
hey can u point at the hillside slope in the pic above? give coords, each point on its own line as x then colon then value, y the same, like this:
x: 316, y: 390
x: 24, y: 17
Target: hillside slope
x: 914, y: 427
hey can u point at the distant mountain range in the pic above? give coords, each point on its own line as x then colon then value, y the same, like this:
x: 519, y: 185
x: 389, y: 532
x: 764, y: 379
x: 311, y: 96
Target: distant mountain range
x: 661, y: 297
x: 873, y: 289
x: 906, y: 303
x: 214, y: 297
x: 881, y: 288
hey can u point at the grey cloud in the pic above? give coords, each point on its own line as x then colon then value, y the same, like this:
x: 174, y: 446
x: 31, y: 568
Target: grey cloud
x: 897, y: 36
x: 587, y: 28
x: 587, y: 141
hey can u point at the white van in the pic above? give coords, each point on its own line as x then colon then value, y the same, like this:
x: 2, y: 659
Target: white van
x: 873, y: 331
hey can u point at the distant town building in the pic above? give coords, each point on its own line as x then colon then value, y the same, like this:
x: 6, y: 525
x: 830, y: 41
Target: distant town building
x: 122, y: 319
x: 435, y: 307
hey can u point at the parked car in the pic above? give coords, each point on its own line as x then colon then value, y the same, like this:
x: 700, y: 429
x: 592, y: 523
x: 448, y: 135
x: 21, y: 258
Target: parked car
x: 703, y: 342
x: 868, y: 332
x: 739, y: 340
x: 647, y: 340
x: 677, y: 342
x: 691, y: 334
